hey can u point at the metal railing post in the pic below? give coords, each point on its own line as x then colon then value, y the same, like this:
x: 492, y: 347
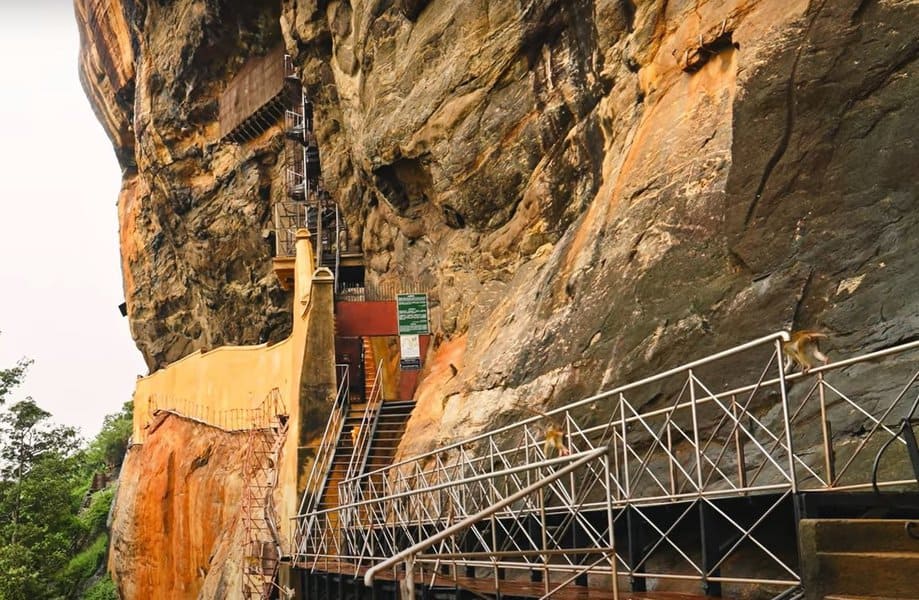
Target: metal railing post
x: 614, y: 575
x: 493, y: 519
x: 829, y: 456
x: 625, y: 448
x: 671, y: 466
x: 793, y: 477
x: 739, y: 446
x: 695, y: 429
x: 544, y: 535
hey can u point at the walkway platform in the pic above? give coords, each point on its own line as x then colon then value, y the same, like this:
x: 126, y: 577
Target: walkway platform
x: 335, y: 579
x: 701, y: 473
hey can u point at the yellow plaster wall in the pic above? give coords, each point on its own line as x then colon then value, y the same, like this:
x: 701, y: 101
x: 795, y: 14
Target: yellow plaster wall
x: 228, y: 387
x: 224, y: 387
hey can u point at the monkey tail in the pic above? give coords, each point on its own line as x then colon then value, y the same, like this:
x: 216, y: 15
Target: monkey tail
x: 806, y: 333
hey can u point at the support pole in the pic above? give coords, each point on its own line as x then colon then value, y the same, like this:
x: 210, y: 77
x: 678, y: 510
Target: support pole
x: 633, y: 548
x: 408, y: 583
x: 709, y: 540
x: 611, y: 521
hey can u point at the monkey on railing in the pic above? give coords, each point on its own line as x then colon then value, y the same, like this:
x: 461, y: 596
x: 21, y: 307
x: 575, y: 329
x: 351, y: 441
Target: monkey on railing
x: 555, y: 434
x: 802, y: 348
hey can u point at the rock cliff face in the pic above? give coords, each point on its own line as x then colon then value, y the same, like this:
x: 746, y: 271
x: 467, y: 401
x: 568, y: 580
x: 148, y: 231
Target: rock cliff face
x: 177, y: 531
x: 192, y: 211
x: 589, y: 189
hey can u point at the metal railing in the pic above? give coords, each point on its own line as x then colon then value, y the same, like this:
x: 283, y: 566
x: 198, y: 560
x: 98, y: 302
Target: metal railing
x: 296, y: 183
x: 369, y: 292
x: 261, y: 416
x: 288, y: 218
x: 325, y: 453
x: 682, y: 445
x: 506, y: 505
x: 367, y: 427
x: 258, y: 513
x: 295, y: 125
x: 290, y: 70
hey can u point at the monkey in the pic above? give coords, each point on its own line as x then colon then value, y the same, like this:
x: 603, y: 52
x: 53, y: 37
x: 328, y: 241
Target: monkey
x: 555, y: 438
x: 555, y: 435
x: 355, y: 433
x: 802, y: 348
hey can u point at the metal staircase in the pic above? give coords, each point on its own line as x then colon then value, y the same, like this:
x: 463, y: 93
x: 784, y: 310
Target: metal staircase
x: 344, y: 450
x: 385, y: 436
x: 367, y: 440
x: 309, y: 205
x: 700, y: 473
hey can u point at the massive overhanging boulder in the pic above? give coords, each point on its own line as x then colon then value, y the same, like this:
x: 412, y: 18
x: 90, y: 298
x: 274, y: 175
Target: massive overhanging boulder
x: 589, y: 191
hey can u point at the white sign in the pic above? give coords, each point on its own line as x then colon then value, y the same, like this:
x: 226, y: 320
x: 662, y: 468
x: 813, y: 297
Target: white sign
x: 410, y: 352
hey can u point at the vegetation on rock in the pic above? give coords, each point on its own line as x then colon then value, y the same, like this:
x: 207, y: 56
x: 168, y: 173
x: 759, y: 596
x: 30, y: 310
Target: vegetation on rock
x: 54, y: 499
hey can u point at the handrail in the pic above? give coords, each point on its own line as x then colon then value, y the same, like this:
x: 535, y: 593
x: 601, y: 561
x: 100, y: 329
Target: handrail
x: 367, y: 427
x: 337, y: 242
x: 579, y: 460
x: 327, y: 444
x: 773, y: 337
x: 684, y: 447
x: 549, y: 462
x: 289, y: 216
x: 290, y: 71
x: 623, y: 419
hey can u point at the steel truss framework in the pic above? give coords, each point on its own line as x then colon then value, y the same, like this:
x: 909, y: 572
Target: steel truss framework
x: 642, y: 477
x: 259, y: 517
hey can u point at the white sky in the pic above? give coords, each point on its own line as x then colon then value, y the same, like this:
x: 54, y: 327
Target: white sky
x: 60, y: 274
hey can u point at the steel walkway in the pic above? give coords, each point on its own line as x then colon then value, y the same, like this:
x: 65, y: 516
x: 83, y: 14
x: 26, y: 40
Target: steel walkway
x: 699, y: 473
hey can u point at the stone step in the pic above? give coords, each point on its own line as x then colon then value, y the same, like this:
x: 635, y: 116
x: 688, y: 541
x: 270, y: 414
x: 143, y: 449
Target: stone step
x: 847, y: 558
x: 886, y: 574
x: 864, y: 535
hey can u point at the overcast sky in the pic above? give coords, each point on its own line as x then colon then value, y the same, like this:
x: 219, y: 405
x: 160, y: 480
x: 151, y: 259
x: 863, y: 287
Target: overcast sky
x: 60, y: 277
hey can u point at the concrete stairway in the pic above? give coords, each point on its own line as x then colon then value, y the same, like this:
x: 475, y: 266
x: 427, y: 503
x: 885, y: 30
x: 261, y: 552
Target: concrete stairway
x: 859, y: 558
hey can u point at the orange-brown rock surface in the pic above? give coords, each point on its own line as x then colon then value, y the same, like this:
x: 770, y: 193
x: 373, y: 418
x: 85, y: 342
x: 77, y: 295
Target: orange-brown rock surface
x: 176, y: 530
x: 588, y: 189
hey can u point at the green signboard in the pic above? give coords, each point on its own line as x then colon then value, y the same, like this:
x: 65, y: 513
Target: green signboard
x: 412, y: 313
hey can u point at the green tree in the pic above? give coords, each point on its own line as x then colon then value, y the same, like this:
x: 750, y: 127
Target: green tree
x: 12, y: 377
x: 32, y: 449
x: 53, y: 537
x: 40, y: 468
x: 108, y: 448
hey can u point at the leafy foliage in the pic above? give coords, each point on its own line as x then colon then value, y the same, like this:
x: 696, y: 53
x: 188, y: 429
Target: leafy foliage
x: 82, y: 566
x: 103, y: 589
x: 107, y: 450
x: 53, y: 538
x: 93, y: 518
x: 12, y: 377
